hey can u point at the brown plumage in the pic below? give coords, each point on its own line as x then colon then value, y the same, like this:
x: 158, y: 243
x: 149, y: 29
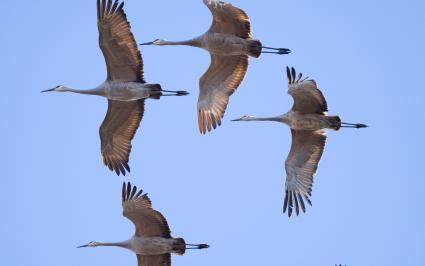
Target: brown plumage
x: 124, y: 63
x: 308, y: 99
x: 301, y: 165
x: 230, y: 44
x: 229, y: 19
x: 116, y: 132
x: 308, y: 120
x: 125, y: 86
x: 123, y: 59
x: 138, y: 208
x: 154, y: 260
x: 152, y: 242
x: 216, y: 86
x: 226, y: 72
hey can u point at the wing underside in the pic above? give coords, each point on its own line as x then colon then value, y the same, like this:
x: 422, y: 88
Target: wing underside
x: 117, y: 131
x: 308, y: 99
x: 154, y: 260
x: 138, y: 208
x: 301, y: 165
x: 221, y: 80
x: 122, y: 56
x: 229, y: 19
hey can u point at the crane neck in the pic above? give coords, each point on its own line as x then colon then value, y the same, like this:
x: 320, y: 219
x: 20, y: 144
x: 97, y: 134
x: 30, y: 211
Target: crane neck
x: 96, y: 91
x: 124, y: 244
x: 281, y: 118
x: 195, y: 42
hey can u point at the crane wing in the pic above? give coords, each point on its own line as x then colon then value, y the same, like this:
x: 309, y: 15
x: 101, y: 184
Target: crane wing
x: 308, y: 99
x: 117, y: 131
x: 123, y: 59
x: 229, y: 19
x: 222, y: 78
x: 138, y: 208
x: 154, y: 260
x: 301, y: 164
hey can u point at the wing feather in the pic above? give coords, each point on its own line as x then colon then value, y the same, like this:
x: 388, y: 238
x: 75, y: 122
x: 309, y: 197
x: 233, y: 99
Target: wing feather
x: 122, y: 56
x: 117, y: 131
x: 138, y: 208
x: 154, y: 260
x: 301, y: 164
x: 308, y: 99
x: 229, y: 19
x: 222, y: 78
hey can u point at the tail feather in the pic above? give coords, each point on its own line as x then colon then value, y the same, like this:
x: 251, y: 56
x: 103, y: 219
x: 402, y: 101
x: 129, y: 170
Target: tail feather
x: 154, y: 87
x: 334, y: 122
x: 155, y: 90
x: 254, y: 48
x: 179, y: 246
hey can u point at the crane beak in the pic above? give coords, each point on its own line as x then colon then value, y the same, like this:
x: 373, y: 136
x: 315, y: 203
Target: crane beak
x: 83, y: 246
x: 235, y: 120
x: 49, y: 90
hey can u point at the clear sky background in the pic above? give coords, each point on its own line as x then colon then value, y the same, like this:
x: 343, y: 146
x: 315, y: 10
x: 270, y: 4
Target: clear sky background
x: 225, y: 188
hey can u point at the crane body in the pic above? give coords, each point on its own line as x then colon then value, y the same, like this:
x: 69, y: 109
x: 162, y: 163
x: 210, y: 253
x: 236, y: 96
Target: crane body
x: 308, y: 120
x: 123, y: 91
x: 142, y: 245
x: 230, y: 44
x: 125, y: 86
x: 299, y: 121
x: 152, y: 241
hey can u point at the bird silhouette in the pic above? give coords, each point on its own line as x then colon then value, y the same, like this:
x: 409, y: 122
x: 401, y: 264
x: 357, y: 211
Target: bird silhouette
x: 308, y: 120
x: 230, y: 44
x: 125, y: 87
x: 152, y: 242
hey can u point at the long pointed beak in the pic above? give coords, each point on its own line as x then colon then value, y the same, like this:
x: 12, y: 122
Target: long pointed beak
x: 235, y: 120
x: 48, y: 90
x: 83, y: 246
x: 146, y: 43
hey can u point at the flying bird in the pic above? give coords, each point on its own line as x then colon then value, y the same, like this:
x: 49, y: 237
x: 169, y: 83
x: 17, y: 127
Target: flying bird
x: 230, y: 44
x: 125, y: 86
x: 308, y: 120
x: 152, y: 242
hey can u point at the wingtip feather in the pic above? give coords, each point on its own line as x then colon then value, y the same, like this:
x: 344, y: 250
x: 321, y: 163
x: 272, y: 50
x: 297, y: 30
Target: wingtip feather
x: 288, y: 74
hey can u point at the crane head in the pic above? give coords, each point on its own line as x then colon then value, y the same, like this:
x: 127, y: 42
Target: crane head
x: 91, y: 244
x: 59, y: 88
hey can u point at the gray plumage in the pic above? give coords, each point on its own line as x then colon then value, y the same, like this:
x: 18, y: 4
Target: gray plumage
x: 229, y: 42
x: 308, y: 120
x: 125, y: 86
x: 152, y: 242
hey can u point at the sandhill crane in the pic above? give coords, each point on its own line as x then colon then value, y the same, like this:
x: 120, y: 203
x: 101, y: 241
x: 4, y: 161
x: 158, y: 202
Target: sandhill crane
x: 152, y: 242
x: 125, y: 87
x: 307, y: 119
x: 229, y: 42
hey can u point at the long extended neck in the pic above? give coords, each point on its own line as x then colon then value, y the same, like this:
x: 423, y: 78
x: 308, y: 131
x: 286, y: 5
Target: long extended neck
x: 274, y: 119
x: 192, y: 42
x: 95, y: 91
x: 124, y: 244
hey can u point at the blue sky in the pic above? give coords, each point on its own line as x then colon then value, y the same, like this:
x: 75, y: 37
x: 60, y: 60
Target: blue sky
x: 226, y: 188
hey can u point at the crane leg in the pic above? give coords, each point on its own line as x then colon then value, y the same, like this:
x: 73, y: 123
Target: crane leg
x: 200, y: 246
x: 174, y: 93
x: 350, y: 125
x: 276, y: 50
